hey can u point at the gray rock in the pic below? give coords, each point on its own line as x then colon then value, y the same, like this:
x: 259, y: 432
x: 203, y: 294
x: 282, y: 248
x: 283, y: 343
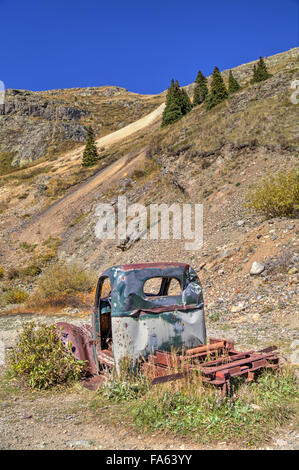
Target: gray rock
x: 238, y: 308
x: 79, y: 444
x: 294, y: 358
x: 226, y: 253
x: 256, y: 268
x: 281, y: 442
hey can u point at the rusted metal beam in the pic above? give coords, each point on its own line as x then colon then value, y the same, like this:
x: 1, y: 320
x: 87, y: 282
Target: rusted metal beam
x: 205, y: 348
x: 164, y: 366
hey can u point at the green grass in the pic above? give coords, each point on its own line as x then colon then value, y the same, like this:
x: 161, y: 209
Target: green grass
x: 8, y: 386
x: 248, y: 416
x: 215, y: 316
x: 78, y: 219
x: 6, y: 159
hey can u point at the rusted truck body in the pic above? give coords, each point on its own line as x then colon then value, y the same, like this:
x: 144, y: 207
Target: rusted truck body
x: 137, y: 322
x: 148, y: 313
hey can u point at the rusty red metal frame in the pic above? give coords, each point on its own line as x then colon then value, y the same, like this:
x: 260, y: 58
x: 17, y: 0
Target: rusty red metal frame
x: 216, y: 363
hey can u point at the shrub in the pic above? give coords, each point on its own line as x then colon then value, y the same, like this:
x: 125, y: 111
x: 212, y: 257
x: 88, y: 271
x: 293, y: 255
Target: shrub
x: 1, y: 272
x: 61, y: 284
x: 40, y: 358
x: 31, y: 270
x: 276, y: 196
x: 14, y: 296
x: 12, y: 273
x: 28, y: 247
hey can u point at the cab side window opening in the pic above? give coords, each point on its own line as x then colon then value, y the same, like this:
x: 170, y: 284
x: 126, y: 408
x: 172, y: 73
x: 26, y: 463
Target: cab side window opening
x: 106, y: 289
x: 105, y: 315
x: 161, y: 287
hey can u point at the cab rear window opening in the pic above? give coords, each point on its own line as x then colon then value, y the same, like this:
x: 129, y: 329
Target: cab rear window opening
x: 154, y: 287
x: 160, y: 286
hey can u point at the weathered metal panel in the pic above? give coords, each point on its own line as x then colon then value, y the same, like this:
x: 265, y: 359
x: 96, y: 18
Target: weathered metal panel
x: 143, y: 323
x: 127, y: 296
x: 138, y: 337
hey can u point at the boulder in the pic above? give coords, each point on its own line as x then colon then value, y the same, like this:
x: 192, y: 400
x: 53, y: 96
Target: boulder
x: 256, y: 268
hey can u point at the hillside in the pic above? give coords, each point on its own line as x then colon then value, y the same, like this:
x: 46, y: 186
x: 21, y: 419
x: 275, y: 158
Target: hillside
x: 44, y: 124
x: 48, y: 207
x: 212, y: 157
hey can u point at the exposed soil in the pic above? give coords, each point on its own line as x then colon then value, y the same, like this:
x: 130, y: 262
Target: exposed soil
x: 65, y: 420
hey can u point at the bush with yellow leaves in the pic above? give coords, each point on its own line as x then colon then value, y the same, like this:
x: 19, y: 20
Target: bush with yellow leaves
x: 276, y: 195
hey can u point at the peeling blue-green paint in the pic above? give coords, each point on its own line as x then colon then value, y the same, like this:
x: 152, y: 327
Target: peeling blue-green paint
x: 142, y: 323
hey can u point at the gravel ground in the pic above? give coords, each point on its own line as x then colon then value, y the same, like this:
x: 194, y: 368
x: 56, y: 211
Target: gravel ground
x: 63, y: 420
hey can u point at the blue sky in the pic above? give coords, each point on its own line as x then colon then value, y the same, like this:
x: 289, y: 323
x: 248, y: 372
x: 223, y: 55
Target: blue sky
x: 139, y: 45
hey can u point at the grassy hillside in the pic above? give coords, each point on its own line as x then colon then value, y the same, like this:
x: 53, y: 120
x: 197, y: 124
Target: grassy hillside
x: 50, y: 257
x: 214, y: 157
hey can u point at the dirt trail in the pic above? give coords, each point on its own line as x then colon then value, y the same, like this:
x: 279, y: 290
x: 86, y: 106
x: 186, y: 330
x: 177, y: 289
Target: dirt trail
x: 65, y: 421
x: 131, y: 128
x: 110, y: 139
x: 56, y: 218
x: 72, y: 157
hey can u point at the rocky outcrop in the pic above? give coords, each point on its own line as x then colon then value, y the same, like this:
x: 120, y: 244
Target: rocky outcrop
x: 38, y: 124
x: 30, y: 124
x: 30, y: 140
x: 25, y: 103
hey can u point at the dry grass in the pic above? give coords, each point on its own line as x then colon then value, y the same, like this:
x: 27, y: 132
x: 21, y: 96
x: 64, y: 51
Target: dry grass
x: 14, y: 296
x: 63, y: 284
x: 187, y: 408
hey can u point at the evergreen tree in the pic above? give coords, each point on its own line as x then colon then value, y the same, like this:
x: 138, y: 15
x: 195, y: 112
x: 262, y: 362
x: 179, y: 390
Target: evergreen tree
x: 196, y: 95
x: 202, y: 91
x: 177, y: 104
x: 260, y: 72
x: 233, y: 85
x: 218, y: 91
x: 173, y: 113
x: 90, y: 154
x: 186, y: 104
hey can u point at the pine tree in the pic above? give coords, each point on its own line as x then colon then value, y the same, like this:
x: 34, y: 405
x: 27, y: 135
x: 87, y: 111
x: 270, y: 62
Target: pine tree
x: 186, y: 104
x: 177, y: 104
x: 233, y: 85
x: 260, y: 72
x: 172, y: 114
x: 202, y: 91
x: 196, y: 95
x: 218, y: 91
x: 90, y: 154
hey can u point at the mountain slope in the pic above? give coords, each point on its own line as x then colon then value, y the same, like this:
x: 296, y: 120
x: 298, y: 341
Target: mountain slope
x: 41, y: 124
x: 210, y: 157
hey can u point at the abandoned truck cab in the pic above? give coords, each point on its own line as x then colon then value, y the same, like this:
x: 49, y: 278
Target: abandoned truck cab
x: 143, y: 311
x: 141, y: 308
